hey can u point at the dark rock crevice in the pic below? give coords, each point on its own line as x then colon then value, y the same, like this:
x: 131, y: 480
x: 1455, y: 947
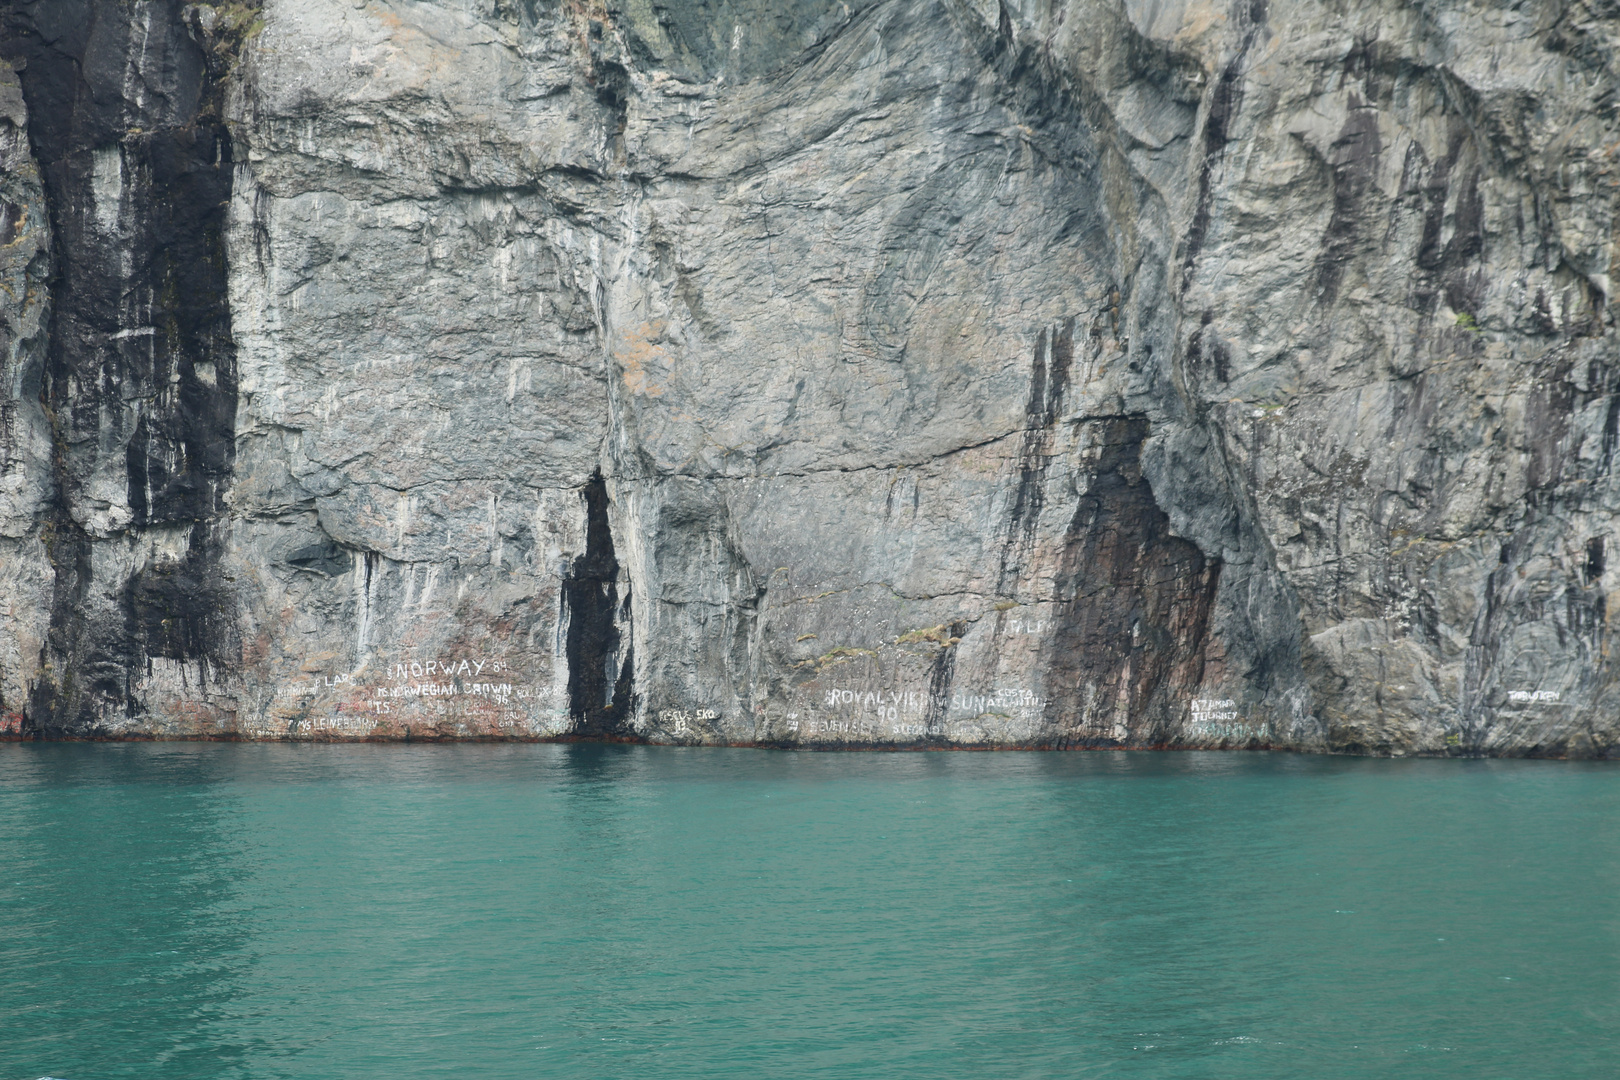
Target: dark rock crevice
x: 601, y: 665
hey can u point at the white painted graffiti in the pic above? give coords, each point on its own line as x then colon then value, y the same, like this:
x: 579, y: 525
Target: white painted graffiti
x: 891, y: 704
x: 500, y: 690
x: 679, y: 721
x: 1239, y: 732
x: 477, y: 690
x: 864, y: 728
x: 446, y: 669
x: 337, y: 725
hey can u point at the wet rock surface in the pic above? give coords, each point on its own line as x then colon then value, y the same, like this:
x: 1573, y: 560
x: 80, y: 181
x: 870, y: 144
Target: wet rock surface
x: 898, y: 373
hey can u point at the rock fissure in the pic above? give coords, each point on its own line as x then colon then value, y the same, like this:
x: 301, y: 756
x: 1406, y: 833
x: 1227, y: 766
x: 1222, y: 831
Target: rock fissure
x: 601, y: 664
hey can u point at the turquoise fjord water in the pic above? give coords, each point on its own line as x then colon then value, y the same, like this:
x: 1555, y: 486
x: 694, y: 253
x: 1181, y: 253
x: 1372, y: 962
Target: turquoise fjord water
x: 197, y: 910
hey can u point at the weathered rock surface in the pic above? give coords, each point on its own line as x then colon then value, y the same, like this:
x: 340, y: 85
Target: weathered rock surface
x: 890, y: 372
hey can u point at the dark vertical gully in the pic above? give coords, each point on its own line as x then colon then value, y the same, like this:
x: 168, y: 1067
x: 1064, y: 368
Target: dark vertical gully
x: 1224, y: 103
x: 601, y: 682
x: 124, y: 103
x: 1133, y: 615
x: 1049, y: 382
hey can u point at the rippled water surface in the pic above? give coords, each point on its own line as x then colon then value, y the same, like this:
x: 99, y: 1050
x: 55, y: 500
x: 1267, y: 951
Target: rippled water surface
x: 181, y: 910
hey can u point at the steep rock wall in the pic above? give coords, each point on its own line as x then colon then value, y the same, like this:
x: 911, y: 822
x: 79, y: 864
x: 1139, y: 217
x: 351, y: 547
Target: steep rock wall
x: 907, y: 372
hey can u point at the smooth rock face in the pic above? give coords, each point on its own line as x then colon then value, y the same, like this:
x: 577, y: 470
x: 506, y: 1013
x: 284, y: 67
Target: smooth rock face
x: 885, y: 373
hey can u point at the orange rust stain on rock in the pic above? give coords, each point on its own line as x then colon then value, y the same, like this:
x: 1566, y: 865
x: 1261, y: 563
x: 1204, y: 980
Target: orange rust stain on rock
x: 635, y: 350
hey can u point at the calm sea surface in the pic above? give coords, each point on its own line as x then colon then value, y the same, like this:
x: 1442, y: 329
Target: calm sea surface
x: 176, y: 911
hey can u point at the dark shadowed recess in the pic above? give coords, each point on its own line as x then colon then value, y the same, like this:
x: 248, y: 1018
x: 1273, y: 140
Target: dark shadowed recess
x: 140, y: 379
x: 601, y: 681
x: 1133, y: 603
x: 1133, y: 607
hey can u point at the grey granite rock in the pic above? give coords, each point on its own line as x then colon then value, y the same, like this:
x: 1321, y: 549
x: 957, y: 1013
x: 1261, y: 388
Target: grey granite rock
x: 884, y: 373
x: 25, y: 434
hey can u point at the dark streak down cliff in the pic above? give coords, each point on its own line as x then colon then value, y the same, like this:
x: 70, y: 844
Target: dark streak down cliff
x: 140, y: 373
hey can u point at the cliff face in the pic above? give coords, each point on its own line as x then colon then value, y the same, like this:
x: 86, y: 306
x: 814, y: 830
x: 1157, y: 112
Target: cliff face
x: 890, y: 372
